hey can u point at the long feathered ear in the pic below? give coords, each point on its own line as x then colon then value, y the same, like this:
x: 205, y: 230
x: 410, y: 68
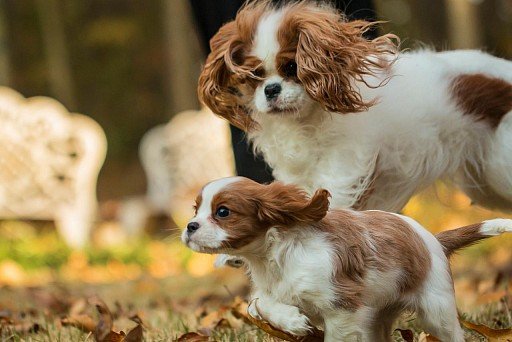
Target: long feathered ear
x: 213, y: 87
x: 332, y: 54
x: 282, y: 205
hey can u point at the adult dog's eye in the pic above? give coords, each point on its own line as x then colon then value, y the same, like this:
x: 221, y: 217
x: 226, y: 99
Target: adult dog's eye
x: 290, y: 69
x: 259, y: 72
x: 222, y: 212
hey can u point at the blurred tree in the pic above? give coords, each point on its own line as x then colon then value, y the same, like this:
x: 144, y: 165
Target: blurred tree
x: 132, y: 64
x: 4, y: 49
x: 464, y: 24
x: 59, y: 71
x: 183, y: 51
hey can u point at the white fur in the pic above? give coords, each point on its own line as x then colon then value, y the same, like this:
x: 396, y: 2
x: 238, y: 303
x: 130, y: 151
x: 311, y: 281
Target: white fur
x: 291, y: 271
x: 414, y: 135
x: 265, y: 48
x: 265, y: 42
x: 496, y: 227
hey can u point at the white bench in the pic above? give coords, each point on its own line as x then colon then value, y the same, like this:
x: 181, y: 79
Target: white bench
x: 49, y: 164
x: 179, y: 157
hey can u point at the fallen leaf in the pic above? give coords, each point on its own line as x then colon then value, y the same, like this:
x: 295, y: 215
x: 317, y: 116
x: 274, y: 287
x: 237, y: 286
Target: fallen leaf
x: 136, y: 318
x: 81, y: 321
x: 269, y: 329
x: 222, y: 324
x: 105, y: 323
x: 103, y: 330
x: 78, y: 307
x: 406, y: 334
x: 135, y: 335
x: 239, y: 309
x: 493, y: 335
x: 424, y: 337
x: 212, y: 321
x: 491, y: 297
x: 192, y: 337
x: 112, y: 336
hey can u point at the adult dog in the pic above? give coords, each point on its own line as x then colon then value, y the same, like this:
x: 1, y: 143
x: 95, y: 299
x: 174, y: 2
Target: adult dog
x: 329, y: 109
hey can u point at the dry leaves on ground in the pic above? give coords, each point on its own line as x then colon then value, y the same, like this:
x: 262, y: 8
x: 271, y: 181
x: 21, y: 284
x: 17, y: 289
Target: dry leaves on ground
x: 492, y: 335
x: 226, y: 318
x: 408, y: 336
x: 103, y: 329
x: 234, y: 315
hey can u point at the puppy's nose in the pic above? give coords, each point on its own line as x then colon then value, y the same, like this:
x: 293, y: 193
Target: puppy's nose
x: 192, y: 227
x: 272, y: 90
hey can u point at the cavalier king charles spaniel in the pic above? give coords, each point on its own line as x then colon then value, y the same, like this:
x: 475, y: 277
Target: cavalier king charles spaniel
x: 348, y: 272
x: 330, y: 109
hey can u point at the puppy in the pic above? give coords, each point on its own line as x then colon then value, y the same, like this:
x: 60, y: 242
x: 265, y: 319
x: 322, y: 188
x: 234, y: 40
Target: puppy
x: 329, y: 109
x: 348, y: 272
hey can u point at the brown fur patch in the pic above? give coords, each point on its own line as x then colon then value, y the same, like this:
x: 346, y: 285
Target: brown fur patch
x: 454, y: 239
x: 198, y: 201
x: 226, y: 69
x: 331, y: 53
x: 373, y: 240
x: 254, y: 208
x: 486, y: 98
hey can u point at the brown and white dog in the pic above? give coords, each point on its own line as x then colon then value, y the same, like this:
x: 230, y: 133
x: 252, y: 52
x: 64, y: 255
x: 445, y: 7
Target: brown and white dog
x: 371, y: 124
x: 348, y: 272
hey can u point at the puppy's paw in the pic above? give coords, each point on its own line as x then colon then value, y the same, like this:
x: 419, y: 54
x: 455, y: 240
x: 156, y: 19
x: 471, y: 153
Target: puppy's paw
x: 228, y: 260
x: 252, y: 309
x: 293, y: 322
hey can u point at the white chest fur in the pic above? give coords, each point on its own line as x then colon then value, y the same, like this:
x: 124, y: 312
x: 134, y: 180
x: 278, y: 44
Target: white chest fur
x: 296, y: 269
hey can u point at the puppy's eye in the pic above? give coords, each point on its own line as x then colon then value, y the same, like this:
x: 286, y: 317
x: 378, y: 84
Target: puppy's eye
x: 222, y: 212
x: 290, y: 69
x: 259, y: 72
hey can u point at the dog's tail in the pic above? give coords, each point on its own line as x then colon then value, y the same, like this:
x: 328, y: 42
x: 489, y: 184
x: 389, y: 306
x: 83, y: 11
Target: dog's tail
x: 454, y: 239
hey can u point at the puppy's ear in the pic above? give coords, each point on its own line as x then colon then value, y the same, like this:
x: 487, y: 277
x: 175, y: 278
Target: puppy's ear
x: 282, y: 205
x: 213, y: 88
x: 332, y: 54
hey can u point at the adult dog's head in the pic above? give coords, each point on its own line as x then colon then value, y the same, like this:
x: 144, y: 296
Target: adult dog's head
x: 281, y: 59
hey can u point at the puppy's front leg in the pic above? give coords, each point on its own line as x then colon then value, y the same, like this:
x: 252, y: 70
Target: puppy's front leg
x: 282, y: 316
x: 345, y: 325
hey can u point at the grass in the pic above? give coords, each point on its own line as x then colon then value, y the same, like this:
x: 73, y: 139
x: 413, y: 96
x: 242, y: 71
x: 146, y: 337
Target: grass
x: 179, y: 301
x: 169, y: 308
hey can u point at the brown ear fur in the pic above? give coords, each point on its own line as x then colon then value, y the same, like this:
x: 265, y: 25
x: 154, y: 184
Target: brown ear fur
x: 213, y: 87
x: 332, y: 53
x: 222, y: 70
x: 283, y: 204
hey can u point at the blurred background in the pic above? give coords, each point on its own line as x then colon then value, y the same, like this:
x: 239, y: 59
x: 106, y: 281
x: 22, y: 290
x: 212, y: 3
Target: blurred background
x: 132, y: 65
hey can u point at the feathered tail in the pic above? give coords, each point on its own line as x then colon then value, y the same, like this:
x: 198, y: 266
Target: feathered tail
x: 454, y: 239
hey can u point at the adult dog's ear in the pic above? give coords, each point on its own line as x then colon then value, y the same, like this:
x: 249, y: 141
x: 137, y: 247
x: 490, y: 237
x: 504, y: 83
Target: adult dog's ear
x: 214, y: 81
x: 332, y: 55
x: 283, y: 205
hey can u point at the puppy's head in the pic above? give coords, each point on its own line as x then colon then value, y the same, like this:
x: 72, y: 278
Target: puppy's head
x: 233, y: 212
x: 280, y: 60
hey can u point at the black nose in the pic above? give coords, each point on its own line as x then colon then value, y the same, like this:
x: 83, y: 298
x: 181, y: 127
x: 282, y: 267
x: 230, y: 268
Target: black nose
x: 192, y: 227
x: 272, y: 90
